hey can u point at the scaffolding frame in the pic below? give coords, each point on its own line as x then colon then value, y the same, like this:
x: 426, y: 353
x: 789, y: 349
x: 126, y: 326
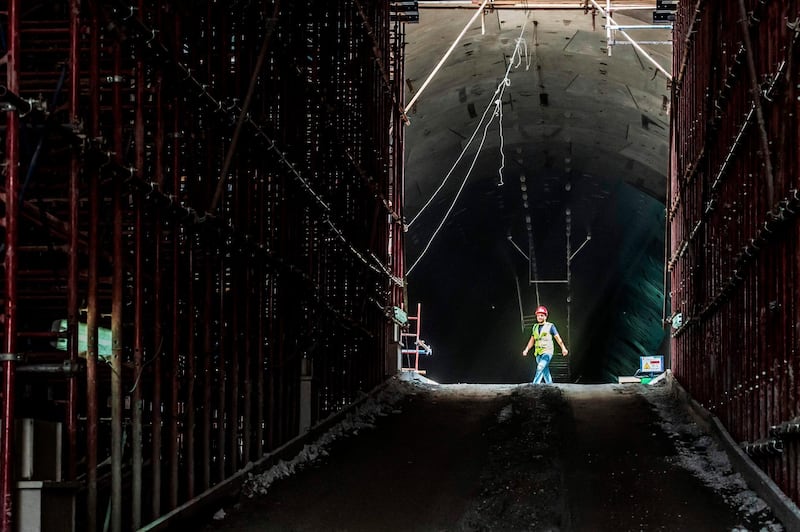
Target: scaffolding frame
x: 220, y: 187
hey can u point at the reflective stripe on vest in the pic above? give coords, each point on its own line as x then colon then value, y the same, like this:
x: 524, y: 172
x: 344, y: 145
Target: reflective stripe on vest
x: 543, y: 341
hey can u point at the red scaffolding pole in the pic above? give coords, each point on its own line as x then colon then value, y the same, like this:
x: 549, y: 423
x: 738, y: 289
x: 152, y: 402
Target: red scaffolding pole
x: 10, y: 326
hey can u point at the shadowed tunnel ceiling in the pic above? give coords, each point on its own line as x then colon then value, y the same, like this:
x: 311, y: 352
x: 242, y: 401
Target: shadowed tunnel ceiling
x: 578, y: 171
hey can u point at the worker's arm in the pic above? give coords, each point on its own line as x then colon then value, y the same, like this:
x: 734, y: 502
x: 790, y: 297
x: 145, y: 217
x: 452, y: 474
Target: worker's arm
x: 527, y: 347
x: 564, y: 350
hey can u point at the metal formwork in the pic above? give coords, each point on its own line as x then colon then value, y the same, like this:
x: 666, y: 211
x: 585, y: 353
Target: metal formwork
x: 216, y: 186
x: 732, y: 215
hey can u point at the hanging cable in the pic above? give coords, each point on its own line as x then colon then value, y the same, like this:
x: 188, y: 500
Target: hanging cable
x: 455, y: 200
x: 452, y: 168
x: 499, y: 112
x: 497, y: 101
x: 528, y: 57
x: 498, y: 94
x: 522, y: 47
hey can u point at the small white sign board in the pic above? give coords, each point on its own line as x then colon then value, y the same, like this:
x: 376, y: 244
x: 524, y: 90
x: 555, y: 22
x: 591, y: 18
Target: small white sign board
x: 651, y: 364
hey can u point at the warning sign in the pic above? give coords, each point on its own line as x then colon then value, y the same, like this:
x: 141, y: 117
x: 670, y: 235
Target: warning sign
x: 651, y: 364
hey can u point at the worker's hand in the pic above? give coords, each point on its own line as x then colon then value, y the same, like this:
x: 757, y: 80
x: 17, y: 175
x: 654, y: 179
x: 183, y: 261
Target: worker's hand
x: 524, y: 352
x: 565, y: 351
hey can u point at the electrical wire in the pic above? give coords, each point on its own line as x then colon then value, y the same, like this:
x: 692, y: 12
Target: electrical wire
x: 455, y: 164
x: 455, y: 200
x: 498, y: 94
x: 499, y: 112
x: 497, y: 98
x: 521, y: 45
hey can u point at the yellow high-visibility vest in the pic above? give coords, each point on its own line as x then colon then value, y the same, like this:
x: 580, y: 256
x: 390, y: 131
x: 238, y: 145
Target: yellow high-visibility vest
x: 543, y: 341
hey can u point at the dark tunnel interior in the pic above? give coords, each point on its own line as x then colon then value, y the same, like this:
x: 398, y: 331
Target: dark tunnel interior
x: 564, y: 209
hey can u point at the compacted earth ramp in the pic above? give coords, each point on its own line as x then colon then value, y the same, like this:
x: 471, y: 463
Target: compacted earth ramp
x: 505, y: 458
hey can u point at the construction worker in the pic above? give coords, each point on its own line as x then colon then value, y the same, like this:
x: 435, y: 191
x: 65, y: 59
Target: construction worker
x: 542, y: 334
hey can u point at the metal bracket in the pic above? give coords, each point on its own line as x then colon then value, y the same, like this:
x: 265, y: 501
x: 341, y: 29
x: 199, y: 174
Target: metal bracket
x: 69, y: 366
x: 11, y: 357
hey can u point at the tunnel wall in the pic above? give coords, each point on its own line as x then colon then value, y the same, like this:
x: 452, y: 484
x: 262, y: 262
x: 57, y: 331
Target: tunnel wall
x: 201, y: 207
x: 732, y: 219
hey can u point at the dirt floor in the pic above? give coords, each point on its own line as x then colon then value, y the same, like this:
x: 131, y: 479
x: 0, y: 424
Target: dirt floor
x: 506, y: 458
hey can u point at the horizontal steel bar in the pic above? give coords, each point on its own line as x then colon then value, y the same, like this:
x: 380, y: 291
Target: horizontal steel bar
x: 669, y: 43
x: 640, y: 27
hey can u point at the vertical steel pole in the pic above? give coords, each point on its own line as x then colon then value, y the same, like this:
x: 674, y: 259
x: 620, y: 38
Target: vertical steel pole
x: 235, y: 299
x: 247, y: 331
x: 191, y: 374
x: 10, y: 338
x: 156, y: 423
x: 236, y: 292
x: 92, y: 306
x: 223, y: 420
x: 138, y: 357
x: 261, y: 316
x: 158, y: 328
x: 176, y: 322
x: 138, y: 326
x: 72, y: 268
x: 235, y: 346
x: 116, y: 310
x: 208, y: 377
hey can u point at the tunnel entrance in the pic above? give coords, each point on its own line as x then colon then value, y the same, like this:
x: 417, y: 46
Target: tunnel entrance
x: 535, y: 174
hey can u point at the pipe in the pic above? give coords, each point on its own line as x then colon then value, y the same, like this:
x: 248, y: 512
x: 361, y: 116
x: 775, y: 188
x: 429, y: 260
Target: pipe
x: 138, y: 357
x: 235, y: 349
x: 138, y: 305
x: 208, y: 294
x: 223, y: 420
x: 191, y: 372
x: 158, y: 370
x: 260, y: 328
x: 7, y: 460
x: 615, y: 26
x: 158, y: 332
x: 74, y: 241
x: 247, y: 394
x: 117, y: 309
x: 92, y: 314
x: 522, y: 6
x: 175, y: 318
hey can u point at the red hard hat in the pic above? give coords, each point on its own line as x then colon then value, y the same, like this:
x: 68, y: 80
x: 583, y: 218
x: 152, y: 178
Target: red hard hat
x: 541, y: 310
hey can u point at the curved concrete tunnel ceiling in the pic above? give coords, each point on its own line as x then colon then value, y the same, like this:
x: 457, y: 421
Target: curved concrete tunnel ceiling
x: 584, y: 151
